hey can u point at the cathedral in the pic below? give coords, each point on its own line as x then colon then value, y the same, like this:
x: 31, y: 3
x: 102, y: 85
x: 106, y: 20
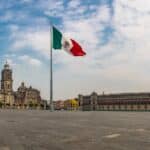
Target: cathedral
x: 23, y: 97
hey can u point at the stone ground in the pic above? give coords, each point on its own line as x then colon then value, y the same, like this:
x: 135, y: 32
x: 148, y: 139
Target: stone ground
x: 44, y: 130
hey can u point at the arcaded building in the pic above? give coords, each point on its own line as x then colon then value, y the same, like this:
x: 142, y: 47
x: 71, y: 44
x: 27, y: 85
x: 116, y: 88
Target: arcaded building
x: 24, y: 96
x: 115, y: 102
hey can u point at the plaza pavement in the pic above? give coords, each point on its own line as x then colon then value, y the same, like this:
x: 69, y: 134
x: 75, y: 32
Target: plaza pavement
x: 44, y: 130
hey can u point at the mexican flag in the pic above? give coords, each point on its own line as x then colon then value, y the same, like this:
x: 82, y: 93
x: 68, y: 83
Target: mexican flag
x: 69, y: 45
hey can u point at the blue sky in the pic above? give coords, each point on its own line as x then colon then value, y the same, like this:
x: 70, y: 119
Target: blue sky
x: 114, y: 33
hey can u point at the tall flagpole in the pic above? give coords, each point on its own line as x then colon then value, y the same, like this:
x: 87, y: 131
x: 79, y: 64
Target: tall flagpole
x: 51, y: 69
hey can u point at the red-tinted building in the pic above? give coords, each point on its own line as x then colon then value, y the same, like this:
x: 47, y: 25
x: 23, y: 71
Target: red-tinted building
x: 59, y: 105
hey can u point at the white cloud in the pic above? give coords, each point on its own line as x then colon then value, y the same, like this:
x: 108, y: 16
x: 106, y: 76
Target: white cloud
x: 26, y: 1
x: 86, y: 30
x: 74, y: 4
x: 143, y: 6
x: 30, y: 60
x: 39, y: 41
x: 13, y: 28
x: 120, y: 64
x: 133, y: 24
x: 134, y: 27
x: 52, y: 7
x: 116, y: 66
x: 103, y: 14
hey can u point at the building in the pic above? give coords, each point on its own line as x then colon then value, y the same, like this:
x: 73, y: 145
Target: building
x: 6, y: 92
x: 27, y: 96
x: 71, y: 104
x: 115, y: 102
x: 58, y: 105
x: 23, y: 97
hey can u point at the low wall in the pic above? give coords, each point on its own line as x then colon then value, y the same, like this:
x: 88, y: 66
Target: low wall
x: 133, y: 107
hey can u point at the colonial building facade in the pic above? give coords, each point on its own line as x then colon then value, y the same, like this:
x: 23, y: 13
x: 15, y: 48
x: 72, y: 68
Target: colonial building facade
x: 115, y: 102
x: 24, y: 96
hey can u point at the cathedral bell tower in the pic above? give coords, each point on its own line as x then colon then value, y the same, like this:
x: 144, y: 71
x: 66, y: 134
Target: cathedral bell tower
x: 6, y: 82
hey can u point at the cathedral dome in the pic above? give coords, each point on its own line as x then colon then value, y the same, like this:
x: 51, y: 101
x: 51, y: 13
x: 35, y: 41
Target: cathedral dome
x: 6, y: 66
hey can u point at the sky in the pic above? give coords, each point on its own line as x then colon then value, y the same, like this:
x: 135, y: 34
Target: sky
x: 115, y: 35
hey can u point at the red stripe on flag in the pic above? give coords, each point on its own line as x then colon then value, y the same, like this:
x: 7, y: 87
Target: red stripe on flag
x: 77, y: 49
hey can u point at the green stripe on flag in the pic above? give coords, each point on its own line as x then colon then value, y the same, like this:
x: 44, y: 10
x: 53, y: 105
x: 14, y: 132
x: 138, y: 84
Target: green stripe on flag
x: 57, y: 37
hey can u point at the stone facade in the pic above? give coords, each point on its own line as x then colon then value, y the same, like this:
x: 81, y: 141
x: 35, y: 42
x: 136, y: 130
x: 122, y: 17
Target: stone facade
x: 24, y: 96
x: 115, y: 102
x: 6, y: 92
x: 27, y: 96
